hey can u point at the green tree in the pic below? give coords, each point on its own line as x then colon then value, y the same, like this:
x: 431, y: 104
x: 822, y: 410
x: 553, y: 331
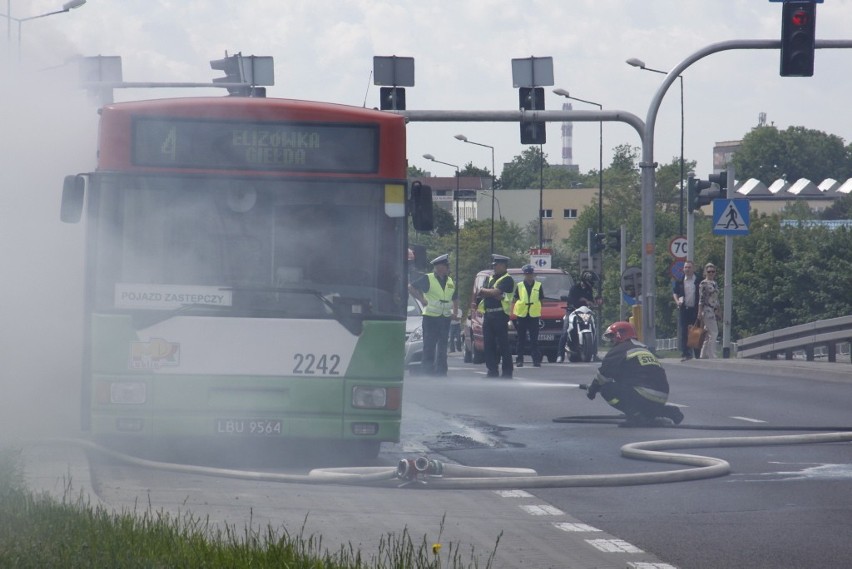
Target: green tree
x: 523, y: 171
x: 785, y: 276
x: 415, y: 172
x: 840, y: 209
x: 471, y: 170
x: 528, y: 171
x: 797, y: 152
x: 443, y: 221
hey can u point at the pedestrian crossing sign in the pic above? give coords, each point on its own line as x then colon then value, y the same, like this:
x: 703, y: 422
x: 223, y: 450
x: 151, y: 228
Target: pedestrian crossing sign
x: 730, y: 217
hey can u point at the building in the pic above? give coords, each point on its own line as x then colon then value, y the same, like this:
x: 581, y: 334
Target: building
x: 560, y: 207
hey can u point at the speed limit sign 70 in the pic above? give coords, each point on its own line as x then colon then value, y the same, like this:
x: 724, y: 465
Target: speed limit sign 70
x: 677, y: 247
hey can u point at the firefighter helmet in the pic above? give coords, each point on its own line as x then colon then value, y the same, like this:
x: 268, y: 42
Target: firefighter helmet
x: 619, y: 332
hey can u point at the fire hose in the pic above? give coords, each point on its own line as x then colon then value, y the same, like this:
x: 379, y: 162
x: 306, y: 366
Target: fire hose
x: 423, y: 472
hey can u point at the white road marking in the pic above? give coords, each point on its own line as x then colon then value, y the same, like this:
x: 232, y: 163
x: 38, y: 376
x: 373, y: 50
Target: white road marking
x: 513, y: 493
x: 749, y: 419
x: 613, y: 546
x: 641, y: 565
x: 565, y: 526
x: 542, y: 510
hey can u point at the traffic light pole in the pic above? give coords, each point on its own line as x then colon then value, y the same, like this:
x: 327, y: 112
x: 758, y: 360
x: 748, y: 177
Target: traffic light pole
x: 646, y: 133
x: 728, y: 290
x: 649, y: 288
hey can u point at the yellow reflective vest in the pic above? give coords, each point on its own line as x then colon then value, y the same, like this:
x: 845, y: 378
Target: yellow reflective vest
x: 528, y: 305
x: 439, y: 299
x: 505, y: 302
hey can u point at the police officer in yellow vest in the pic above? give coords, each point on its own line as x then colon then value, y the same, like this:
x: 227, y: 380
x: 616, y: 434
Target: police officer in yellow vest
x: 438, y: 293
x: 496, y: 301
x: 527, y: 310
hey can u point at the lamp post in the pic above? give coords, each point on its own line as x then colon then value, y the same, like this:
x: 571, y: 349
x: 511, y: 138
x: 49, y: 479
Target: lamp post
x: 456, y: 199
x: 641, y: 65
x: 463, y: 138
x: 67, y: 7
x: 564, y: 93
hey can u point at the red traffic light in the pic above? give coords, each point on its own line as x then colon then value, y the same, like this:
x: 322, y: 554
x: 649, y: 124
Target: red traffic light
x: 800, y: 18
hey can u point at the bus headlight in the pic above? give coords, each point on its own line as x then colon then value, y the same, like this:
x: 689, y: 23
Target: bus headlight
x: 369, y: 397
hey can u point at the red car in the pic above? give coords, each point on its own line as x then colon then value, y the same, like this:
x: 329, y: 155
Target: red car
x: 554, y: 282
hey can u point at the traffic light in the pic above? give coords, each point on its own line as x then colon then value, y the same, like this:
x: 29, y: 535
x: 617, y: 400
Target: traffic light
x: 392, y: 99
x: 615, y: 239
x: 251, y: 70
x: 720, y: 179
x: 798, y: 36
x: 598, y: 242
x: 701, y: 193
x: 532, y: 99
x: 233, y: 74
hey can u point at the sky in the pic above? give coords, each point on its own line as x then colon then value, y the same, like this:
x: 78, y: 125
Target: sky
x: 324, y: 51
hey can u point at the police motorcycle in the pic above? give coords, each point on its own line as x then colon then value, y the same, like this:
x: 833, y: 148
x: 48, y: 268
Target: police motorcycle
x: 582, y: 340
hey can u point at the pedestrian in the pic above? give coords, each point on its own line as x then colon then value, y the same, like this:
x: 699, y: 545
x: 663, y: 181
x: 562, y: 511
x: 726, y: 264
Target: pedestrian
x: 632, y: 380
x: 455, y: 334
x: 685, y: 294
x: 495, y: 301
x: 527, y: 310
x: 709, y: 310
x: 438, y: 293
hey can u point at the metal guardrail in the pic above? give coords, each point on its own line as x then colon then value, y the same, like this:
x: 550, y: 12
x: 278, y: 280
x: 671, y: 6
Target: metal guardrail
x: 807, y: 338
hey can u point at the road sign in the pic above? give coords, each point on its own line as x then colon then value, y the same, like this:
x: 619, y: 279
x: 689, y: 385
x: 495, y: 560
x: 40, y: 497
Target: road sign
x: 730, y: 217
x: 678, y: 248
x: 631, y: 282
x: 540, y: 261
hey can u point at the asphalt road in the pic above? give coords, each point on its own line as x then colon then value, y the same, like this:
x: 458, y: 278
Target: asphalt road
x: 781, y: 507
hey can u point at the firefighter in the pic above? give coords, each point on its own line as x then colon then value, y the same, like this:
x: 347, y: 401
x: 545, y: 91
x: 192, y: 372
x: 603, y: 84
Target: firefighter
x: 496, y: 300
x: 632, y: 380
x: 438, y: 293
x: 527, y: 310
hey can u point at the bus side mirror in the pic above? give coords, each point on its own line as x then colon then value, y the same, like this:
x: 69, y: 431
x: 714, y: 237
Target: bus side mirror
x: 73, y: 190
x: 421, y: 207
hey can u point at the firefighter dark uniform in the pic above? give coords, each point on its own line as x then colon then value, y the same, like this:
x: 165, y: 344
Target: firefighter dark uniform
x: 527, y: 311
x: 438, y: 291
x: 495, y: 322
x: 632, y: 380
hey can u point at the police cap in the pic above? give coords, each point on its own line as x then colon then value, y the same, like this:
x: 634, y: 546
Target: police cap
x: 528, y: 269
x: 441, y: 260
x: 499, y: 259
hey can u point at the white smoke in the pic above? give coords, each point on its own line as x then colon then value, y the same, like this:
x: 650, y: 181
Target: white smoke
x: 48, y: 131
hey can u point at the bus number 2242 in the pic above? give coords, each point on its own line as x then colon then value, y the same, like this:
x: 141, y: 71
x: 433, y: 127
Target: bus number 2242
x: 316, y: 364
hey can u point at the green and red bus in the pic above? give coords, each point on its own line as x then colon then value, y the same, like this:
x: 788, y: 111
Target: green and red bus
x: 245, y: 271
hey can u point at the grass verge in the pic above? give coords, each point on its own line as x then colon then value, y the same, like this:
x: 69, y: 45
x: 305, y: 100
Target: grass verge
x: 38, y: 531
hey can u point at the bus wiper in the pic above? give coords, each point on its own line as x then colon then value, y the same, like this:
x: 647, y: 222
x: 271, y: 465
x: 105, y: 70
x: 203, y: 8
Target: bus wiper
x: 348, y: 311
x: 150, y: 317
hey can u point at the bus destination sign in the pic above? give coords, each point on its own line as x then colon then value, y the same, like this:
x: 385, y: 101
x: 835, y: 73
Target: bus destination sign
x: 240, y: 145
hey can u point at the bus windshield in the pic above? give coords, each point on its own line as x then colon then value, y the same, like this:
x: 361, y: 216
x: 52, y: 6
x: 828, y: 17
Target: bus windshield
x: 248, y: 247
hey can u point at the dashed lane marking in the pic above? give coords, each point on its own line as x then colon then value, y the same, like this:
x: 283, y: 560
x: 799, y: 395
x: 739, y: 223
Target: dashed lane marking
x: 542, y: 510
x: 613, y: 546
x: 641, y: 565
x: 748, y: 419
x: 566, y: 526
x: 513, y: 493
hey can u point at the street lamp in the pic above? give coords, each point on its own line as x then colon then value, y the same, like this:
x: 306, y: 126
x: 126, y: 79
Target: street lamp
x: 463, y: 138
x: 641, y: 65
x: 564, y: 93
x: 67, y: 7
x: 456, y: 199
